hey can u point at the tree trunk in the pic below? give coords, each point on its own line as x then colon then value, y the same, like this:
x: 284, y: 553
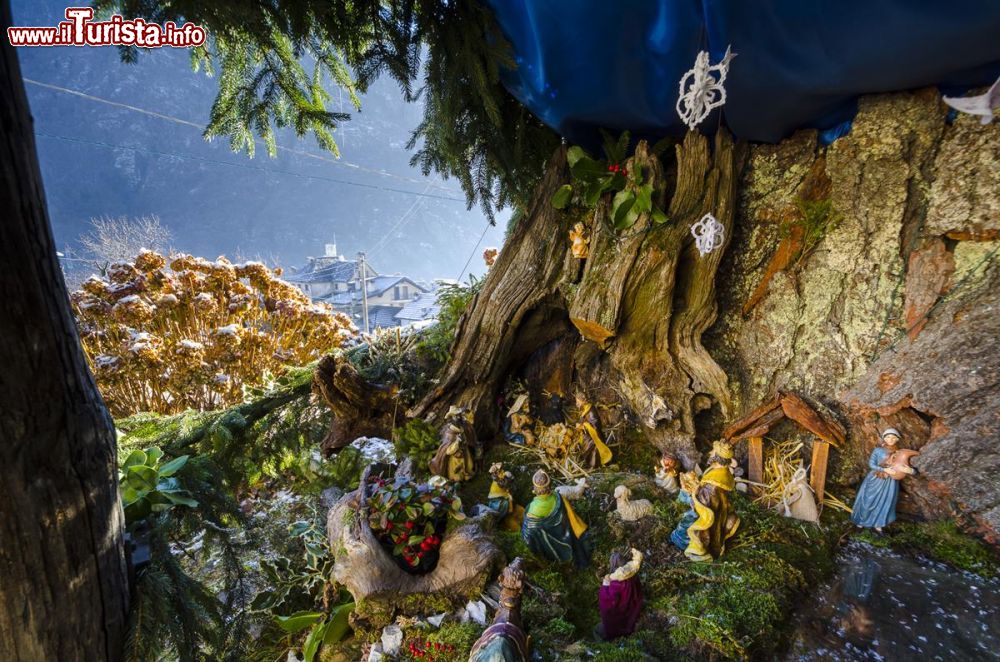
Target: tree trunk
x: 63, y: 576
x: 635, y: 309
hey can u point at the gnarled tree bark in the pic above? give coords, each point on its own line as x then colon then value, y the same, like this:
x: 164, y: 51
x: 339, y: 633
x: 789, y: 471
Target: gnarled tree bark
x: 637, y: 306
x: 63, y: 577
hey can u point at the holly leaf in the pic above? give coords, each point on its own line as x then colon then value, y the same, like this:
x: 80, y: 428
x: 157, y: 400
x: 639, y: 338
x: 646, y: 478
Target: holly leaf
x: 644, y: 199
x: 620, y: 206
x: 574, y: 154
x: 562, y: 197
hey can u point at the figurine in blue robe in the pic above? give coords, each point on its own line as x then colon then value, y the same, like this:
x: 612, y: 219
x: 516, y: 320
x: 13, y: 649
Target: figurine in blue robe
x: 679, y: 536
x: 875, y: 504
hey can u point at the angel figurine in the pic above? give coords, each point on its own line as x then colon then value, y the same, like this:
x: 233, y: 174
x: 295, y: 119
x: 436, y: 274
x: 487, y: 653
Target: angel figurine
x: 580, y: 239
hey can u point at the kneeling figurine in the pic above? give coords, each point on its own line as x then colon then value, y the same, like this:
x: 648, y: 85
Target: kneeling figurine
x: 620, y: 596
x: 551, y: 528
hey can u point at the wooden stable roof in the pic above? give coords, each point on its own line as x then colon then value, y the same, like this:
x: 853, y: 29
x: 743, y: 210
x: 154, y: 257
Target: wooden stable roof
x: 786, y: 405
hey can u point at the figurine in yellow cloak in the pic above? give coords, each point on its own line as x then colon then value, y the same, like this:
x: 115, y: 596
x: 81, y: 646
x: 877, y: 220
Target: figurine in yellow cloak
x: 717, y: 521
x: 595, y: 452
x: 501, y: 501
x: 454, y: 459
x: 552, y: 529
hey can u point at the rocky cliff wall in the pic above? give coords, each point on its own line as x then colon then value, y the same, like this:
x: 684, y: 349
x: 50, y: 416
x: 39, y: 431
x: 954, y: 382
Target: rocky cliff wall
x: 863, y: 275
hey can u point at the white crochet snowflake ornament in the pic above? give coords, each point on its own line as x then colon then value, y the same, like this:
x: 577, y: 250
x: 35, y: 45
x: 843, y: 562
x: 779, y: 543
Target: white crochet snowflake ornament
x: 708, y: 234
x: 702, y: 89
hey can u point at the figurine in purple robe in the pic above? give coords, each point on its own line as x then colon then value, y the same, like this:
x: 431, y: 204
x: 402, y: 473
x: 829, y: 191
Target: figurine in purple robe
x: 620, y: 597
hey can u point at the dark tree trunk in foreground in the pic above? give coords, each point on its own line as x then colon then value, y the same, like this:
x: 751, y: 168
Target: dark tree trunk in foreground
x: 63, y: 579
x: 625, y: 325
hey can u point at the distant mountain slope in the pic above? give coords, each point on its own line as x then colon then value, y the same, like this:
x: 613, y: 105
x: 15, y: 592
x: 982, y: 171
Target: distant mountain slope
x: 101, y: 159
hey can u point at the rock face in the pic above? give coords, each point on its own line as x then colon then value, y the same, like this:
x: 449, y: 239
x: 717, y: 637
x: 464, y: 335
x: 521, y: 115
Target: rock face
x: 943, y: 390
x: 468, y: 558
x: 833, y: 285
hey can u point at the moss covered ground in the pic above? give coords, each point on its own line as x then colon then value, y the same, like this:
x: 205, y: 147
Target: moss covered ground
x: 939, y: 541
x: 735, y: 608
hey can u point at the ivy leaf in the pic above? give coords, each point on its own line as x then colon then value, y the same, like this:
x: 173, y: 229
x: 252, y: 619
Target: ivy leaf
x: 135, y: 458
x: 298, y: 621
x: 339, y: 623
x: 179, y: 499
x: 315, y: 638
x: 173, y: 466
x: 562, y: 197
x: 141, y: 478
x: 658, y: 216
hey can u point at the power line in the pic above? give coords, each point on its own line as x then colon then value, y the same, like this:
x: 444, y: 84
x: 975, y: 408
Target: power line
x: 200, y: 127
x: 403, y: 220
x: 474, y: 249
x: 248, y: 166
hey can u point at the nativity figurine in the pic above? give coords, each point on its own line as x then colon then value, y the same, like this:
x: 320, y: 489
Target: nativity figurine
x: 580, y: 241
x: 500, y: 502
x: 717, y: 521
x: 454, y: 459
x: 688, y: 486
x: 505, y: 640
x: 595, y: 452
x: 620, y: 596
x: 551, y: 528
x: 798, y: 500
x: 875, y: 504
x: 629, y: 509
x: 519, y: 428
x: 666, y: 473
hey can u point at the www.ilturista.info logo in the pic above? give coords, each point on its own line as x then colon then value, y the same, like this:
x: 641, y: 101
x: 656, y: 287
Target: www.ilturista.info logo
x: 79, y: 30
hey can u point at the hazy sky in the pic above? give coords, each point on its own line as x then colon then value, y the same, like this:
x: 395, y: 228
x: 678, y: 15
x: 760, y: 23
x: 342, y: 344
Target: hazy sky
x: 101, y: 158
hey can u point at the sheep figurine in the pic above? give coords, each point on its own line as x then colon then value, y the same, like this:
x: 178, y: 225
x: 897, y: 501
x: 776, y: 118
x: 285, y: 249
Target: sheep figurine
x: 572, y: 492
x: 629, y: 510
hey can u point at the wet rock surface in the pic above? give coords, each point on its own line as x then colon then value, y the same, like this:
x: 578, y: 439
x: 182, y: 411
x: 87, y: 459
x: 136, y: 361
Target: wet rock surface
x: 884, y: 606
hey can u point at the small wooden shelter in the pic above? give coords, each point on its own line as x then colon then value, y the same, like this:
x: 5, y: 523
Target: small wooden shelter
x: 757, y: 423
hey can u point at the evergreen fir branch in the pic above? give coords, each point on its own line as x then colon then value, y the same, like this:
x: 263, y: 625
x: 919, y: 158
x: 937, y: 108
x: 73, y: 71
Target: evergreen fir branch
x: 449, y: 53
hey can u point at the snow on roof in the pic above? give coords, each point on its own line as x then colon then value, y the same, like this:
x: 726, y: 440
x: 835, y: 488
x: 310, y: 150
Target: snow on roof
x: 424, y: 307
x: 341, y: 271
x: 382, y: 317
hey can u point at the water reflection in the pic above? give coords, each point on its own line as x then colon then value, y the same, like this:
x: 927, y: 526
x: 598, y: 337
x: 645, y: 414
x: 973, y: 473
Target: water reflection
x: 883, y: 606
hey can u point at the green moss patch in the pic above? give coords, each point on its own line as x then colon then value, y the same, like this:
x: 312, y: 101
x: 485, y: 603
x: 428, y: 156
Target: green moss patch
x: 939, y: 541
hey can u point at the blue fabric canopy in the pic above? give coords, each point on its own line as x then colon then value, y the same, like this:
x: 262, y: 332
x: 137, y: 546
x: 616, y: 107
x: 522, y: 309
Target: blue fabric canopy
x: 584, y: 64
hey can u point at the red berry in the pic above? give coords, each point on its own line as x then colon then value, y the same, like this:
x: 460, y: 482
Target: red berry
x: 409, y: 525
